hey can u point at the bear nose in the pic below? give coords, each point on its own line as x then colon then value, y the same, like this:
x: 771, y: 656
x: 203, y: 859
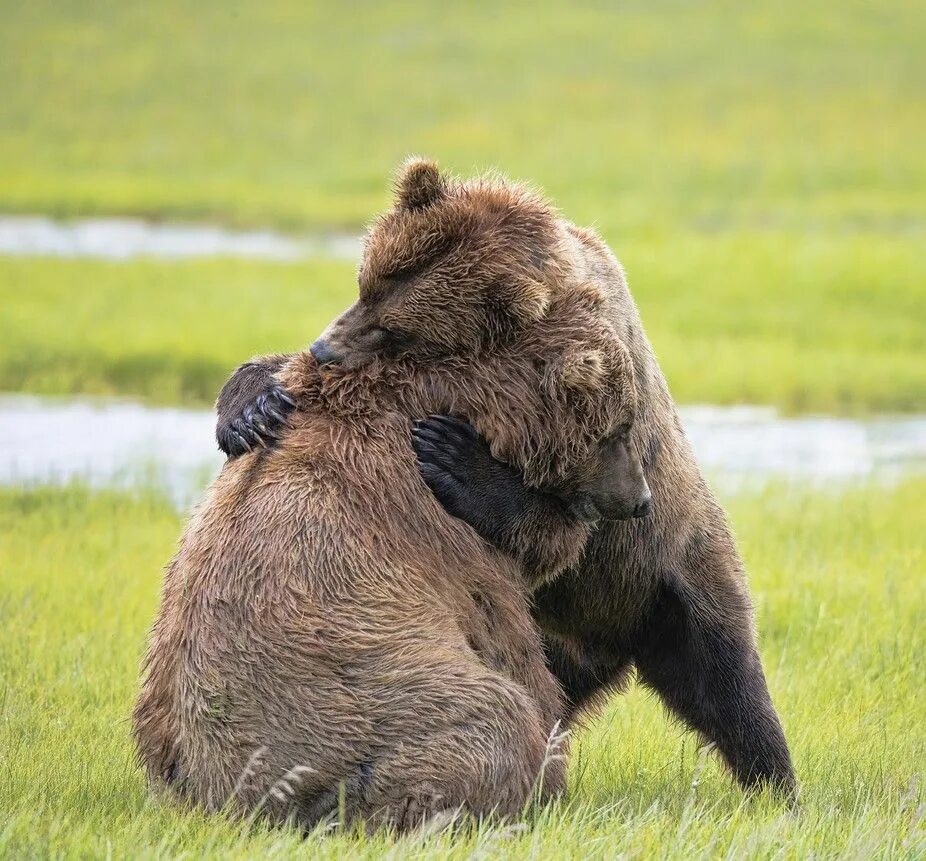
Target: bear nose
x: 644, y: 506
x: 323, y: 353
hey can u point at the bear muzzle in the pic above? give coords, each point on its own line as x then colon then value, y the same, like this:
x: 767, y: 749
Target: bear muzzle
x: 324, y: 353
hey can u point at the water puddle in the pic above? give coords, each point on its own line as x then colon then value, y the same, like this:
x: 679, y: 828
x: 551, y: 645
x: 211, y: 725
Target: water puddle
x: 107, y: 443
x: 737, y: 445
x: 123, y: 444
x: 128, y: 238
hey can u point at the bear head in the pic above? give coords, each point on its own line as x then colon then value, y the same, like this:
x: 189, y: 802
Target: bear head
x: 468, y: 305
x: 451, y: 269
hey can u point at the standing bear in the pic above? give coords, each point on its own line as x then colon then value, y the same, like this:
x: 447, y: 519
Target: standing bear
x: 665, y: 594
x: 329, y: 637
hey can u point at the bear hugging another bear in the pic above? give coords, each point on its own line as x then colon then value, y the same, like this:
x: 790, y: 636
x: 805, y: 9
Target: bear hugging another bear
x: 664, y: 596
x: 329, y: 636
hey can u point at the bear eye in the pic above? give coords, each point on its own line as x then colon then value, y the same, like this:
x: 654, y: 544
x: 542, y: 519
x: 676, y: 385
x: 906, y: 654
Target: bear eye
x: 377, y: 335
x: 401, y: 338
x: 393, y: 340
x: 399, y: 341
x: 620, y: 433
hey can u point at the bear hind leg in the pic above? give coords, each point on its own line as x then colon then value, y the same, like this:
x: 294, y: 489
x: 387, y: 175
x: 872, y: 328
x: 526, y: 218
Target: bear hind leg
x: 493, y: 757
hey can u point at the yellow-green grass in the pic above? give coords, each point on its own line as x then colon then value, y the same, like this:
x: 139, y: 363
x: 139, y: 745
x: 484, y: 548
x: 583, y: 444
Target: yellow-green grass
x: 758, y: 168
x: 838, y: 579
x: 805, y: 324
x: 637, y: 115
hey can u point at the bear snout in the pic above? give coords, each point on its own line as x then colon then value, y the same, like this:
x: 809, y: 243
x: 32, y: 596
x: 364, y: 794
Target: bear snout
x: 645, y: 505
x: 324, y: 353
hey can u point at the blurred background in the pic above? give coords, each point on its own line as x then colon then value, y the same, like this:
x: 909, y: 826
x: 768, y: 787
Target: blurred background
x: 183, y: 185
x: 759, y: 171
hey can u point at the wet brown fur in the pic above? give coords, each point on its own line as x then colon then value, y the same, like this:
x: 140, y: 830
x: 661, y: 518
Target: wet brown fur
x: 666, y: 594
x: 328, y: 635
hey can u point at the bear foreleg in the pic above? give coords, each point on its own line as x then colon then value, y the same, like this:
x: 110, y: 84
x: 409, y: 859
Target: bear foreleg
x: 701, y: 659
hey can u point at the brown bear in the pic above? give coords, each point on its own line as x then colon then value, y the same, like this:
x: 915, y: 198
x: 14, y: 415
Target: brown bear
x: 329, y: 637
x: 665, y: 594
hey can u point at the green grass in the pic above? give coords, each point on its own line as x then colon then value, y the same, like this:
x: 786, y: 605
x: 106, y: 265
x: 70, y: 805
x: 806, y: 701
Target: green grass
x: 792, y: 114
x: 759, y: 169
x: 838, y: 581
x: 169, y: 332
x: 736, y: 320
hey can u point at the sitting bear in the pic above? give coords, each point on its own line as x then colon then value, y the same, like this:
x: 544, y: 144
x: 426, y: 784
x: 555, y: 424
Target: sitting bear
x: 666, y: 594
x: 328, y: 636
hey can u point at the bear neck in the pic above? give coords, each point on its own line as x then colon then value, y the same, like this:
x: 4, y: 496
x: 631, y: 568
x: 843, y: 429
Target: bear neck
x: 502, y: 394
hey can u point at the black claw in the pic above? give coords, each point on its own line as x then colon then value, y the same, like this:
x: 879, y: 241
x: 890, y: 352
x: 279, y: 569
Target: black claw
x: 425, y: 445
x: 428, y: 444
x: 273, y: 413
x: 442, y: 461
x: 431, y: 435
x: 455, y: 424
x: 242, y: 432
x: 459, y: 435
x: 242, y: 444
x: 284, y: 396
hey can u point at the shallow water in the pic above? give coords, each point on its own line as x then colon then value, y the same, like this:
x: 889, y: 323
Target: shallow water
x: 106, y: 443
x: 127, y: 238
x: 121, y: 443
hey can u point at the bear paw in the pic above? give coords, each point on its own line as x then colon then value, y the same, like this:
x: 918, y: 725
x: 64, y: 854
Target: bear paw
x: 259, y: 424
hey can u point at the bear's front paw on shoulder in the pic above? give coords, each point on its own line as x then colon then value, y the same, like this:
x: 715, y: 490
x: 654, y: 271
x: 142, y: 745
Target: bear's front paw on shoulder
x: 259, y: 423
x: 446, y: 448
x: 457, y: 465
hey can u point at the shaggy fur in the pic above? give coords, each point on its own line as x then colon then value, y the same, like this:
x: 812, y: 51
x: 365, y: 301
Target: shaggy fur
x: 666, y: 593
x: 327, y: 631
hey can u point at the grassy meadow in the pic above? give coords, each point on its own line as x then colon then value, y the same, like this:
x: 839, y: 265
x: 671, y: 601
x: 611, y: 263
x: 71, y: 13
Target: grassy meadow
x: 759, y: 171
x: 172, y: 332
x: 651, y: 116
x: 841, y: 599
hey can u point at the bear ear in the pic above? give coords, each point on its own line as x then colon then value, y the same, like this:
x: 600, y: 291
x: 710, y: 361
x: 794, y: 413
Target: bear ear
x: 418, y: 184
x: 527, y: 300
x: 584, y: 371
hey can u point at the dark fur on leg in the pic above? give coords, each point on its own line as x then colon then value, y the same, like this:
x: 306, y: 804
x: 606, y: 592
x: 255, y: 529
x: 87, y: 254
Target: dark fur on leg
x: 458, y: 466
x: 584, y: 679
x: 710, y: 675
